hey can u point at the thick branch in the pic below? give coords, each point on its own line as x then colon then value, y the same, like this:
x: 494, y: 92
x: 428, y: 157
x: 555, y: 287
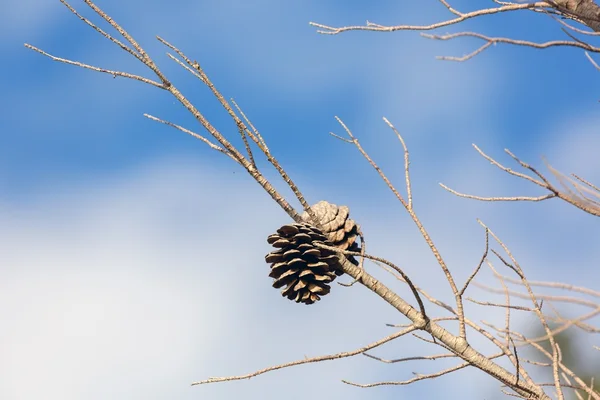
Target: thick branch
x: 459, y: 347
x: 587, y: 11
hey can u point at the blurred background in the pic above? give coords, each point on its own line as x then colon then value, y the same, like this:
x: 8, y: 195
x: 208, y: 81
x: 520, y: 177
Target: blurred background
x: 132, y: 255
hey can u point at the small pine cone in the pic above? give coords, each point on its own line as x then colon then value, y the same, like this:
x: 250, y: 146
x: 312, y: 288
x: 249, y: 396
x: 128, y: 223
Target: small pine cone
x: 304, y: 269
x: 339, y: 228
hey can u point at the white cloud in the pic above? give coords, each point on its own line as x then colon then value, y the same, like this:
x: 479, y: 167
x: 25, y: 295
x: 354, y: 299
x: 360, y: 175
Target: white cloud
x: 135, y: 285
x: 98, y: 300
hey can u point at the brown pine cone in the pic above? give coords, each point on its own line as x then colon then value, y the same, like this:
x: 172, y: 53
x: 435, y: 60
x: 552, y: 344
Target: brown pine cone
x: 298, y: 265
x: 339, y: 228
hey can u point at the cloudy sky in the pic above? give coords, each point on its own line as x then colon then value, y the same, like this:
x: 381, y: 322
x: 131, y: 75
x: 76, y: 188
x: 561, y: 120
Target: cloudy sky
x: 132, y: 256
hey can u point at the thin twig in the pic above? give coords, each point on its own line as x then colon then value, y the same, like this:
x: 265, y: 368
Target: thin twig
x: 487, y: 303
x: 470, y: 323
x: 508, y: 338
x: 98, y: 69
x: 406, y: 162
x: 515, y: 266
x: 591, y: 392
x: 511, y: 198
x: 254, y: 130
x: 517, y: 42
x: 310, y: 360
x: 194, y: 134
x: 422, y: 230
x: 558, y: 285
x: 580, y: 200
x: 329, y: 30
x: 483, y: 257
x: 103, y: 33
x: 419, y: 377
x: 398, y: 360
x: 596, y: 188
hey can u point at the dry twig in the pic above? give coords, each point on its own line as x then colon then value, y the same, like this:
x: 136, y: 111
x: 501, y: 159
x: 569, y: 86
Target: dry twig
x: 583, y: 199
x: 585, y: 12
x: 312, y: 359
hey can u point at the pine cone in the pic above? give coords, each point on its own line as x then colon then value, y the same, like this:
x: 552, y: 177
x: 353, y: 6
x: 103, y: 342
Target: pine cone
x: 339, y: 228
x: 304, y: 269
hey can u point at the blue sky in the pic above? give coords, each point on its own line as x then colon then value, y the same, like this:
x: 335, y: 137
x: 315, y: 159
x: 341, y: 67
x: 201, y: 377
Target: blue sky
x: 134, y: 254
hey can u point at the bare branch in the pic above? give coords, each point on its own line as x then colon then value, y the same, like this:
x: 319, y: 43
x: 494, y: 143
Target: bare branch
x: 512, y: 198
x: 504, y: 348
x: 596, y: 188
x: 254, y: 130
x: 329, y: 30
x: 406, y: 162
x: 310, y: 360
x: 386, y: 262
x: 564, y: 299
x: 515, y: 266
x: 200, y: 74
x: 194, y: 134
x: 496, y: 40
x: 103, y: 33
x: 398, y: 360
x: 558, y: 285
x: 145, y: 58
x: 487, y: 303
x: 590, y: 391
x: 98, y: 69
x: 509, y: 339
x: 572, y: 28
x: 580, y: 199
x: 417, y: 221
x: 448, y: 340
x: 483, y: 257
x: 419, y: 377
x: 585, y: 12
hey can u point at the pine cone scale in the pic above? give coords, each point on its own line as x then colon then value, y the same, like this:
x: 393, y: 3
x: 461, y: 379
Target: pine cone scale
x: 302, y: 268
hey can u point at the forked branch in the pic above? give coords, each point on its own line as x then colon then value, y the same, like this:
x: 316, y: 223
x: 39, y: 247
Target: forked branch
x: 585, y: 12
x: 460, y: 17
x: 575, y: 191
